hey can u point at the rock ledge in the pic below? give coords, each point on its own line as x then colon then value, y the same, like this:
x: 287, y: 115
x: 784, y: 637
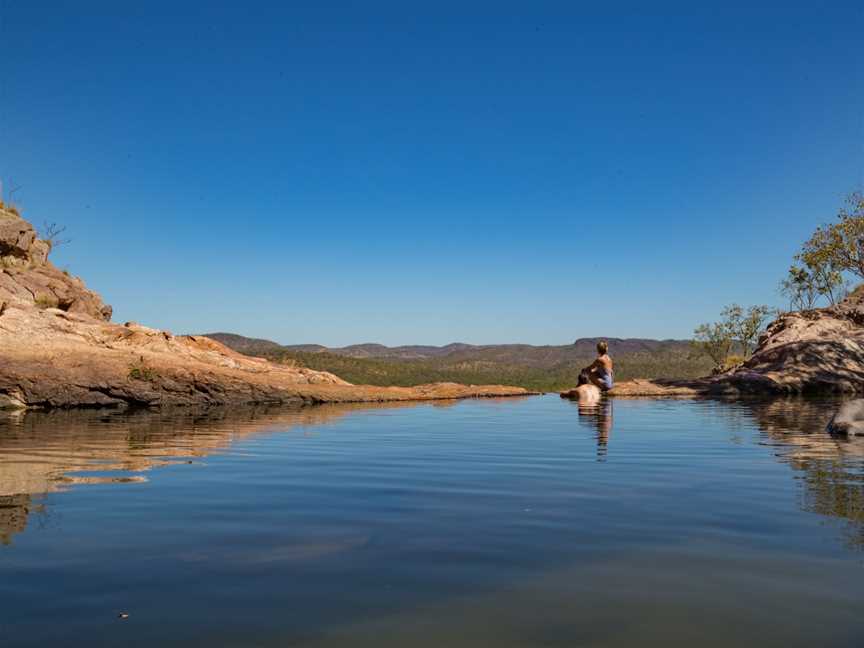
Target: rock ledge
x: 58, y: 348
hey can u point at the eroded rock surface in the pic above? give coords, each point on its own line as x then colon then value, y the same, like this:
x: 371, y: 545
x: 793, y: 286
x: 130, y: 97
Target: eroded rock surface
x: 812, y: 352
x: 819, y: 351
x: 58, y: 348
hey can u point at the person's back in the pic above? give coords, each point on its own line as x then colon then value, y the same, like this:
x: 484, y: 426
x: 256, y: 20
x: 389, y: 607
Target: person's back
x: 586, y: 393
x: 602, y: 368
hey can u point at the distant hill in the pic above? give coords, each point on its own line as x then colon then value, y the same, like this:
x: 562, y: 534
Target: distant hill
x: 245, y: 345
x: 544, y: 368
x: 508, y: 354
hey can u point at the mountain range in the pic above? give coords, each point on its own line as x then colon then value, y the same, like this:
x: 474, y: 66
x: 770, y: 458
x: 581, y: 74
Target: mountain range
x: 510, y: 354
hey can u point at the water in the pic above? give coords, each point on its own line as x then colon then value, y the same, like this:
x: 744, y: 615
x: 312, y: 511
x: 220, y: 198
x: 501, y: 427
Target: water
x: 480, y: 523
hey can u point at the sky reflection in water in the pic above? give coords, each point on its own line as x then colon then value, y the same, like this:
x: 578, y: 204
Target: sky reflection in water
x: 515, y: 522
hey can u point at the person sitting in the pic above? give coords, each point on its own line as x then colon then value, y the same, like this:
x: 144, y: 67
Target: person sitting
x: 600, y: 372
x: 585, y: 392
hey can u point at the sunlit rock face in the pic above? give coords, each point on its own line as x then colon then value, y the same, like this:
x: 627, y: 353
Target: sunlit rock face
x: 812, y: 352
x: 59, y: 349
x: 28, y: 279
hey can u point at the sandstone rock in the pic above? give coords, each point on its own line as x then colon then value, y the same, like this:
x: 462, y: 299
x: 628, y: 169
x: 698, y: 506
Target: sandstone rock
x: 16, y: 236
x: 59, y: 349
x: 29, y: 279
x: 813, y: 352
x: 819, y: 351
x: 849, y: 419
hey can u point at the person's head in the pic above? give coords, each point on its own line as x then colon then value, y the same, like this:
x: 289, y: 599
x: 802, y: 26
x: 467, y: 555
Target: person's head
x: 583, y: 379
x: 602, y: 347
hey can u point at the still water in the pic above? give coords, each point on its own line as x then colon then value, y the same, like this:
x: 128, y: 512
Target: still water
x: 520, y: 522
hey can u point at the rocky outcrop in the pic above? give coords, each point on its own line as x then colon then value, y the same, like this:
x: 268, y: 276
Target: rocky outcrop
x: 658, y: 388
x: 819, y: 351
x: 28, y: 279
x: 58, y: 348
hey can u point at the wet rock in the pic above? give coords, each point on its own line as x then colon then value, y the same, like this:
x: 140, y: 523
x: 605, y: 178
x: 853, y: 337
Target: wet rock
x: 849, y: 419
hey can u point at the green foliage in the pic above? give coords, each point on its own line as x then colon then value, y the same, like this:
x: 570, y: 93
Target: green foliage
x: 832, y: 250
x: 714, y: 341
x: 739, y: 330
x: 733, y: 360
x: 140, y: 370
x: 839, y: 247
x: 745, y: 326
x: 801, y: 289
x: 406, y: 373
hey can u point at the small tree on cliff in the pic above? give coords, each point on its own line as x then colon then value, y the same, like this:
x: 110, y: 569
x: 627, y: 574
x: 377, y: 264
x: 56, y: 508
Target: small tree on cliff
x: 715, y: 341
x: 52, y: 233
x: 738, y: 325
x: 746, y: 325
x: 800, y: 287
x: 838, y: 248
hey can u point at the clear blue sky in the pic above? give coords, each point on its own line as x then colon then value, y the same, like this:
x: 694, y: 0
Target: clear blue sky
x: 401, y: 172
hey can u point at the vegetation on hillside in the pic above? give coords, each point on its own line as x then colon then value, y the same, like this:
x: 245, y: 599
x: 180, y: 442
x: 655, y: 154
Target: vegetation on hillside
x: 380, y: 371
x: 737, y: 331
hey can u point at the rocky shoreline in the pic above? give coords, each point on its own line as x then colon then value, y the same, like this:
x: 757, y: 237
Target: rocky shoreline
x: 820, y: 351
x: 58, y: 348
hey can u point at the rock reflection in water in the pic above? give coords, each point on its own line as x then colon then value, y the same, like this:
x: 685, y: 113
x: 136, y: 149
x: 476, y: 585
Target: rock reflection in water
x: 831, y: 467
x: 41, y: 452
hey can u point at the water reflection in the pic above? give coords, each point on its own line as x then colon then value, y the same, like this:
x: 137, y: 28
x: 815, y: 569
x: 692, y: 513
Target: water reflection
x: 832, y: 468
x: 45, y: 452
x: 599, y: 418
x: 42, y: 452
x: 483, y: 525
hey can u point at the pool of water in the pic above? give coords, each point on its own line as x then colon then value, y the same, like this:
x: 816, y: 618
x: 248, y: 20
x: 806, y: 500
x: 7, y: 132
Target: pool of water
x: 517, y: 522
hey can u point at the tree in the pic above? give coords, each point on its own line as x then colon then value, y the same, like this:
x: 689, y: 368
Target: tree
x: 745, y: 325
x: 737, y: 325
x: 839, y: 247
x: 52, y: 233
x: 828, y: 281
x: 715, y: 341
x: 801, y: 288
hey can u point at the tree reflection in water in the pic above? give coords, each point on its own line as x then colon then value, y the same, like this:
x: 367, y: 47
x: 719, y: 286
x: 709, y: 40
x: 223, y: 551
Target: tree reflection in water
x: 42, y: 452
x: 832, y: 468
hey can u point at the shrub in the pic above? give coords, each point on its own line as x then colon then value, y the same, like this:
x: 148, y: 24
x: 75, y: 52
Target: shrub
x: 839, y: 247
x: 739, y: 328
x: 140, y: 370
x: 46, y: 301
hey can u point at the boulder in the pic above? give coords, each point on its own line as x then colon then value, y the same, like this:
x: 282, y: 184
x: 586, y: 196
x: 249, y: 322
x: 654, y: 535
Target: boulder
x: 849, y: 419
x: 28, y: 278
x: 16, y: 236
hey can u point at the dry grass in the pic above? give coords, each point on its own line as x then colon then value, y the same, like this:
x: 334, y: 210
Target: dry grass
x: 9, y: 208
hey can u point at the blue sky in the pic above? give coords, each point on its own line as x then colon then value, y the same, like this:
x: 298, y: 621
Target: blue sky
x: 479, y: 172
